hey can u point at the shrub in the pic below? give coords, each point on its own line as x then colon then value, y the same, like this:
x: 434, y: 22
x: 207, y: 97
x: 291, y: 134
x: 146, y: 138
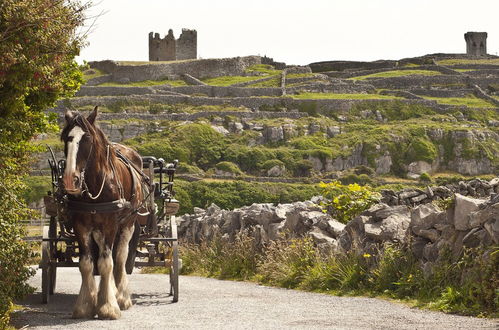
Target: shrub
x: 351, y: 178
x: 228, y: 167
x: 267, y: 165
x: 425, y: 178
x: 303, y: 167
x: 421, y: 149
x: 362, y: 169
x: 344, y: 202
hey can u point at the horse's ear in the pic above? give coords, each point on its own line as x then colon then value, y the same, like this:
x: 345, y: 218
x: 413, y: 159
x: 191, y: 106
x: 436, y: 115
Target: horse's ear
x: 68, y: 115
x: 93, y: 114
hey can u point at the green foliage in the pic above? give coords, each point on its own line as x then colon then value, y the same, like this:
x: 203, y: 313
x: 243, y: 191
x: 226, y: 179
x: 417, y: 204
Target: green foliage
x: 37, y: 188
x: 219, y: 258
x: 303, y: 167
x: 352, y: 178
x: 38, y: 46
x: 470, y: 101
x: 397, y: 73
x: 344, y: 202
x: 229, y: 80
x: 466, y: 284
x: 194, y: 144
x: 421, y: 148
x: 234, y: 194
x: 267, y: 165
x: 394, y: 110
x: 228, y: 167
x: 286, y: 263
x: 274, y: 82
x: 425, y: 178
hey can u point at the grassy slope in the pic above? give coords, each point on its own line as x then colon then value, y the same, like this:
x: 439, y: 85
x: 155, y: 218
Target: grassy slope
x: 397, y: 73
x: 146, y: 83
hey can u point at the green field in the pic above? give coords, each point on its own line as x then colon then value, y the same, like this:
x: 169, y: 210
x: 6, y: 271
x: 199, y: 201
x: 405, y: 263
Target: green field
x: 397, y: 73
x: 146, y: 83
x: 458, y: 61
x: 470, y: 101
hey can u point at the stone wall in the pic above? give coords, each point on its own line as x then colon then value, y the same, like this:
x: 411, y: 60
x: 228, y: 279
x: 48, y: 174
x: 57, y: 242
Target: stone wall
x: 425, y: 228
x: 204, y: 68
x: 429, y: 81
x: 255, y: 103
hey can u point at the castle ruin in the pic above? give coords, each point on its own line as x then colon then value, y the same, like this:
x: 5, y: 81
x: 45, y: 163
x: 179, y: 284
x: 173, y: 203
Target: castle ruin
x: 171, y: 49
x: 476, y: 43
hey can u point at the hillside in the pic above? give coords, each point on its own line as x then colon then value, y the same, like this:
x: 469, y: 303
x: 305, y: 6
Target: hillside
x: 258, y: 120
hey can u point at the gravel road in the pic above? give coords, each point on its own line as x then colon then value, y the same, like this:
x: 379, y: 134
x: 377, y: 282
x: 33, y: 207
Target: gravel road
x: 212, y: 304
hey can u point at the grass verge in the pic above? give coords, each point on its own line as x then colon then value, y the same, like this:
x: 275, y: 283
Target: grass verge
x: 466, y: 285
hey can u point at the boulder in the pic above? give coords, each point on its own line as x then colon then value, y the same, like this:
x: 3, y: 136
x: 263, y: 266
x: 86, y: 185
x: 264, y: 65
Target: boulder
x: 383, y: 163
x: 425, y: 216
x: 464, y: 206
x: 220, y: 129
x: 276, y: 171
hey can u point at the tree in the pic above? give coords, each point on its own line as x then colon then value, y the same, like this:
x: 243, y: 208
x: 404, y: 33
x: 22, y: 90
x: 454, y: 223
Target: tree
x: 38, y: 42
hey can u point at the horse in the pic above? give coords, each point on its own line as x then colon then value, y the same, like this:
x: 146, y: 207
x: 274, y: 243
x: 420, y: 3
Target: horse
x: 104, y: 193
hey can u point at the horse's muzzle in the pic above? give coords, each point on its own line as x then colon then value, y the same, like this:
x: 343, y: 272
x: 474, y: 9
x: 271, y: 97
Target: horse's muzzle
x: 72, y: 184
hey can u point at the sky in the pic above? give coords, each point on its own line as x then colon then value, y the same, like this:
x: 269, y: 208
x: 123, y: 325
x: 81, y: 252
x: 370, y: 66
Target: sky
x: 291, y: 31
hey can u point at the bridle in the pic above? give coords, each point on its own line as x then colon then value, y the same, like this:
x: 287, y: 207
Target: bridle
x: 113, y: 206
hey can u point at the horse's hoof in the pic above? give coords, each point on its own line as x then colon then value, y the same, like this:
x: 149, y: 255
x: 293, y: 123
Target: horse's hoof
x: 124, y: 303
x: 83, y: 314
x: 108, y: 312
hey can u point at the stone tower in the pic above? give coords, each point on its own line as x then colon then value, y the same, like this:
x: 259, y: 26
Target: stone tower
x: 169, y: 49
x: 476, y: 43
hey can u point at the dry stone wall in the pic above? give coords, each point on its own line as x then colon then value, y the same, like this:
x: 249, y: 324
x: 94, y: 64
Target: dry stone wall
x: 198, y: 68
x: 425, y: 228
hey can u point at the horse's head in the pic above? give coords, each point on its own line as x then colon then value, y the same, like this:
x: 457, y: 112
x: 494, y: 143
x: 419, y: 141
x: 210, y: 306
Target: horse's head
x: 78, y: 135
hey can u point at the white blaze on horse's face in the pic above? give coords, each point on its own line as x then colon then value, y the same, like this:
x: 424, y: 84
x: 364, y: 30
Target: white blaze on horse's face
x: 71, y: 177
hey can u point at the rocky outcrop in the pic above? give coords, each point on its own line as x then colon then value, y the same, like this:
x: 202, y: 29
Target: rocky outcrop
x: 426, y: 228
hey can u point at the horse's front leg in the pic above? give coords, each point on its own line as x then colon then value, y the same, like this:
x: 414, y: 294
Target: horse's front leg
x: 87, y: 299
x: 107, y: 306
x: 123, y: 294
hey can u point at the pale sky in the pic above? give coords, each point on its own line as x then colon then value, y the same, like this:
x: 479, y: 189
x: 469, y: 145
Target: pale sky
x: 295, y: 32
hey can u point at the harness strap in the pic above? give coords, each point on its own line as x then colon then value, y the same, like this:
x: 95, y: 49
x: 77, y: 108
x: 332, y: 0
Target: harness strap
x: 106, y: 207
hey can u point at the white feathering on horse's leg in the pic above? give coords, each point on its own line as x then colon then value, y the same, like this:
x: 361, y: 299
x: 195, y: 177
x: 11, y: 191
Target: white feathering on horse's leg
x: 123, y: 292
x: 107, y: 306
x: 87, y: 299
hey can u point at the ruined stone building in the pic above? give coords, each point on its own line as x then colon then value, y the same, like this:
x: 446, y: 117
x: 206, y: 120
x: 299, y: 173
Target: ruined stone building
x: 171, y: 49
x: 476, y: 43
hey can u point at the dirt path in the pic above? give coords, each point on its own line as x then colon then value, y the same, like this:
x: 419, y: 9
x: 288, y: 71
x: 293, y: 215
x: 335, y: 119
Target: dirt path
x: 212, y: 304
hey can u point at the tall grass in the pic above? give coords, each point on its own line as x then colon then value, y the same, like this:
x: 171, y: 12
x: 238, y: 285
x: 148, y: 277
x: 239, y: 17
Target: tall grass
x: 467, y: 284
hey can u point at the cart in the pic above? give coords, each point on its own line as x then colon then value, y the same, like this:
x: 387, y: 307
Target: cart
x: 155, y: 234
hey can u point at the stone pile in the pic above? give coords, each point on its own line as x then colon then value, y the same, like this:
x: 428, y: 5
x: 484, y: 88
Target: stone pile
x: 426, y: 228
x: 411, y: 196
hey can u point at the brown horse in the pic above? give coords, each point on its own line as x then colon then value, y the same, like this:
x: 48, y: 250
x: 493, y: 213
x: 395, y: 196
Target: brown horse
x: 103, y: 184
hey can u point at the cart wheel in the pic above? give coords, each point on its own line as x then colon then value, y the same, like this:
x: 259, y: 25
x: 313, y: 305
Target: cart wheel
x: 53, y: 251
x: 174, y: 268
x: 46, y: 269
